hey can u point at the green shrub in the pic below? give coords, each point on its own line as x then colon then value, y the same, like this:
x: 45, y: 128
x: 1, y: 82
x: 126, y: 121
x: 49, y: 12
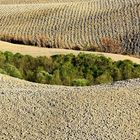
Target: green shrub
x: 136, y: 71
x: 9, y: 57
x: 2, y: 71
x: 126, y: 68
x: 56, y: 79
x: 30, y: 76
x: 80, y: 82
x: 2, y: 59
x: 43, y: 77
x: 12, y: 71
x: 104, y: 78
x: 45, y: 63
x: 116, y: 74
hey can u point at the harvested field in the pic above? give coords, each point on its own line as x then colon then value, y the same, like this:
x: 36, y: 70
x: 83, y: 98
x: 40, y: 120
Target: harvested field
x: 37, y: 51
x: 99, y: 25
x: 37, y: 1
x: 31, y: 111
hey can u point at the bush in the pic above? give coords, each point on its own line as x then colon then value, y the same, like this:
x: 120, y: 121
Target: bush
x: 126, y: 68
x: 136, y: 71
x: 9, y: 57
x: 44, y: 62
x: 2, y: 59
x: 56, y: 79
x: 104, y: 78
x: 12, y: 71
x: 43, y: 77
x: 80, y: 82
x: 2, y: 71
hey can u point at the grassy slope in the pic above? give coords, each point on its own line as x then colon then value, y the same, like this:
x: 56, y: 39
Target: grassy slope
x: 65, y: 24
x: 37, y: 51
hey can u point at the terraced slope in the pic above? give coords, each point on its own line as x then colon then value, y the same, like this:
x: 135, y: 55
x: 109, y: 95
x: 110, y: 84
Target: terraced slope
x: 102, y: 25
x: 41, y: 112
x: 36, y: 1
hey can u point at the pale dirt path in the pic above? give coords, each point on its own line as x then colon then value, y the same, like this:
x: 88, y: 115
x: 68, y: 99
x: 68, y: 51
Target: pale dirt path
x: 37, y: 51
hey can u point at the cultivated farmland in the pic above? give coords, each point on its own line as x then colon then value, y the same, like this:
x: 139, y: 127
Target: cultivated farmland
x: 41, y: 112
x: 99, y: 25
x: 33, y: 111
x: 37, y: 1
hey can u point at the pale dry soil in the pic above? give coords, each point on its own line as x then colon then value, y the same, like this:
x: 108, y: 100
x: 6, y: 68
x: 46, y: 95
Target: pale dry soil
x: 38, y: 51
x: 30, y: 111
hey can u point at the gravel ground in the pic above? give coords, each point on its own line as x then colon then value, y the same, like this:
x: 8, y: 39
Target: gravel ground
x: 31, y: 111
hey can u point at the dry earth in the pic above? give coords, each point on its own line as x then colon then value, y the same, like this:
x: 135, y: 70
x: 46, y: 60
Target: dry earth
x: 37, y: 51
x: 30, y: 111
x: 73, y: 24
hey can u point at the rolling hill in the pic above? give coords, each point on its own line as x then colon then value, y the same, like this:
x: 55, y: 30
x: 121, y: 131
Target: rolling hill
x: 31, y: 111
x: 95, y: 25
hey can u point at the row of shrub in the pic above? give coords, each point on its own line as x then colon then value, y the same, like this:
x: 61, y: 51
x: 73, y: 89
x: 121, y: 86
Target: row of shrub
x: 70, y: 70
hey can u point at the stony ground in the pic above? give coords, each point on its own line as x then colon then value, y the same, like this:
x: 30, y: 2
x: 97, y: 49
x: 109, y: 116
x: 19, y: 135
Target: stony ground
x: 41, y: 112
